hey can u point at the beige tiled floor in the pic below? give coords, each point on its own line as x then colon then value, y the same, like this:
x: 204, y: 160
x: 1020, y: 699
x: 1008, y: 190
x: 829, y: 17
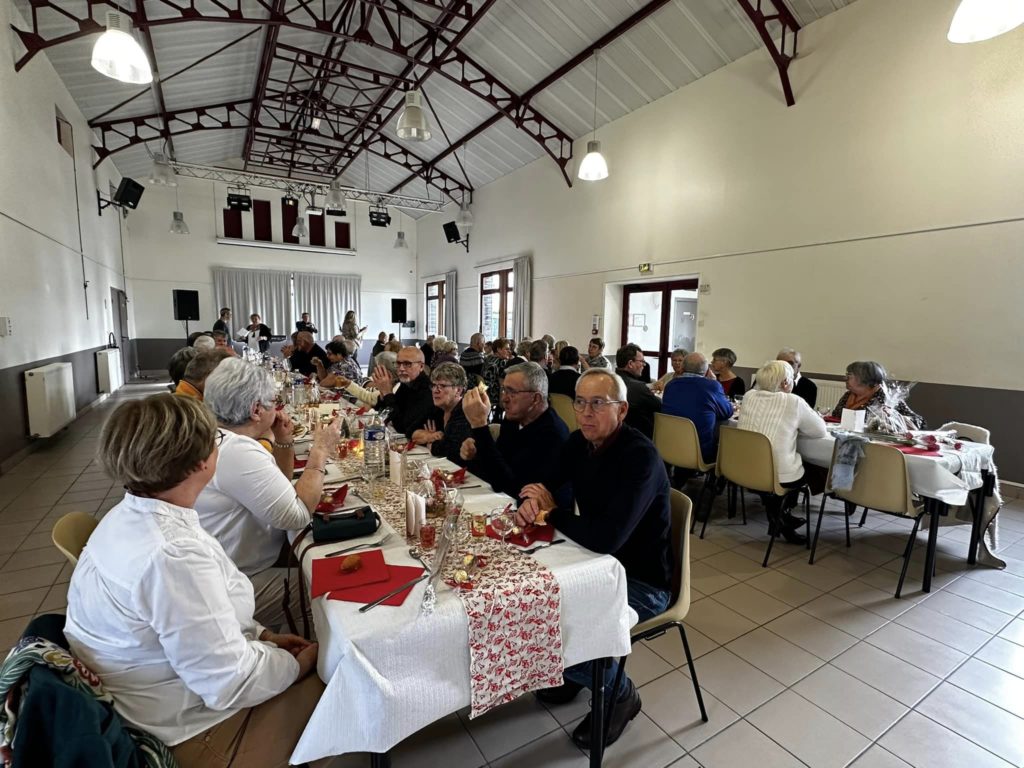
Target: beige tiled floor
x: 800, y: 665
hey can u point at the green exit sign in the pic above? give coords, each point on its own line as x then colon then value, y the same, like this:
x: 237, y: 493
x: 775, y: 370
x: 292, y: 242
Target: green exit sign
x: 645, y: 268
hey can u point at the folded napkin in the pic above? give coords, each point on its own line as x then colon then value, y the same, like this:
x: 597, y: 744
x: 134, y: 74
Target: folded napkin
x: 361, y: 411
x: 398, y: 575
x: 300, y: 463
x: 531, y: 534
x: 328, y: 577
x: 913, y: 450
x: 831, y: 419
x: 336, y: 503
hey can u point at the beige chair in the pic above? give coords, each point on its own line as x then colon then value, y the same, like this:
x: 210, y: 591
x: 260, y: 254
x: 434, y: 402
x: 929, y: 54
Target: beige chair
x: 881, y: 483
x: 679, y: 445
x: 71, y: 533
x: 563, y: 407
x: 672, y: 617
x: 745, y: 459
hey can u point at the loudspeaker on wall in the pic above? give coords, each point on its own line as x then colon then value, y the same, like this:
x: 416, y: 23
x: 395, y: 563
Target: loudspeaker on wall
x: 186, y: 304
x: 398, y: 310
x: 128, y: 193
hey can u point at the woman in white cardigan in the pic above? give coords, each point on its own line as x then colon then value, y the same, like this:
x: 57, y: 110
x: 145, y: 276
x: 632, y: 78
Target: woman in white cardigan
x: 773, y: 410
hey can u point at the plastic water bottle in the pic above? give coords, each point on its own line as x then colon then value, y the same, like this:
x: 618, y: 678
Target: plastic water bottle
x: 375, y: 448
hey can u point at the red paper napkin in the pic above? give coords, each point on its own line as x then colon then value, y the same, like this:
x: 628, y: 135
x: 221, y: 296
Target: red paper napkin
x: 328, y: 577
x: 361, y: 411
x: 300, y: 463
x: 336, y: 503
x: 398, y: 575
x: 832, y: 419
x: 913, y: 450
x: 529, y: 535
x: 459, y: 476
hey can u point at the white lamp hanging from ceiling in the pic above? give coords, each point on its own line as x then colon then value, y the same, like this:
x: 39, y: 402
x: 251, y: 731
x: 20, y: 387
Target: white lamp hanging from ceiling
x: 118, y: 55
x: 400, y: 241
x: 594, y: 167
x: 464, y: 220
x: 335, y: 202
x: 412, y: 123
x: 178, y: 225
x: 299, y: 230
x: 977, y: 20
x: 162, y: 172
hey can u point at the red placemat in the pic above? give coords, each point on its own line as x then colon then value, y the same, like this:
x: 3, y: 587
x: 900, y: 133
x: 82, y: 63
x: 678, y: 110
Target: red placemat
x: 328, y: 577
x: 913, y: 450
x: 336, y: 503
x: 529, y: 535
x: 398, y: 575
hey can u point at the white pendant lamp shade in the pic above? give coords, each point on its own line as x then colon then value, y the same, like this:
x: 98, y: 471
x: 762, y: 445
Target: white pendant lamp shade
x: 977, y: 20
x: 400, y: 241
x: 464, y: 221
x: 118, y: 55
x: 178, y: 225
x: 335, y: 198
x: 594, y: 167
x: 412, y: 123
x: 162, y: 172
x: 299, y: 230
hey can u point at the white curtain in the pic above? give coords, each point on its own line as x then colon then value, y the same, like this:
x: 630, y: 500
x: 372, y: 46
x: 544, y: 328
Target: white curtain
x: 327, y: 298
x: 450, y: 313
x: 264, y: 292
x: 522, y: 297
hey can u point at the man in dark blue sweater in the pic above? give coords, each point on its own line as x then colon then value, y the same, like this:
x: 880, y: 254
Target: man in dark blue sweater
x: 697, y: 396
x: 621, y: 489
x: 531, y: 436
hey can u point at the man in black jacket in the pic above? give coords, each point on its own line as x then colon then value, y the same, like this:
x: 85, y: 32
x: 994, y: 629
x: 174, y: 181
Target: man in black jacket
x: 531, y: 436
x: 302, y: 354
x: 643, y: 404
x: 802, y: 386
x: 621, y: 489
x: 412, y: 404
x: 563, y: 381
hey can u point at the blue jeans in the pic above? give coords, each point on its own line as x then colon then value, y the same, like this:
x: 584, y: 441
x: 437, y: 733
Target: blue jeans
x: 648, y: 602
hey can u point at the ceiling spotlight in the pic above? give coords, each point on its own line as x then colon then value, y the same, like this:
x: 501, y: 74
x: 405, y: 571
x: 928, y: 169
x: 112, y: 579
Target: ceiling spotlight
x: 290, y: 200
x: 239, y: 199
x: 118, y: 55
x: 594, y: 167
x: 465, y: 218
x: 379, y: 216
x: 178, y: 225
x: 335, y: 200
x: 314, y: 124
x: 977, y: 20
x: 412, y: 123
x: 299, y: 230
x: 162, y: 172
x: 400, y: 241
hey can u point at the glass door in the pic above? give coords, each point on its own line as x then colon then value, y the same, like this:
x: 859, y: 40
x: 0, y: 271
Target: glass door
x: 660, y: 317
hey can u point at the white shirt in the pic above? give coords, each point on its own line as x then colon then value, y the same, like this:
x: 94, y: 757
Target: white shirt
x: 781, y: 416
x: 160, y: 613
x: 249, y: 505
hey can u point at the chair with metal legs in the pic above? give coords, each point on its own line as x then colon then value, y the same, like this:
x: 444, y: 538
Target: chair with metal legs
x: 679, y: 446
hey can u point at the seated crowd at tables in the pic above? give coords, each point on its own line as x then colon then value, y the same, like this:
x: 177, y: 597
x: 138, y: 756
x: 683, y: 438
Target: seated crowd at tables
x: 179, y: 598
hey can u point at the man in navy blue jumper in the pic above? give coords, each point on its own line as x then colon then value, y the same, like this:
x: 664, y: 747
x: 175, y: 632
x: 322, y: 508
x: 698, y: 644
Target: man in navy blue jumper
x: 622, y: 492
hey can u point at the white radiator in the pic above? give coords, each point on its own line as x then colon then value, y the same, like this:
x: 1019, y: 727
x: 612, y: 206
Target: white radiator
x: 50, y: 391
x: 829, y: 393
x: 108, y: 368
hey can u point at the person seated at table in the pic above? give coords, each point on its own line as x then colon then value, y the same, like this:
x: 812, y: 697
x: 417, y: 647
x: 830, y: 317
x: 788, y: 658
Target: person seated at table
x: 563, y: 381
x: 773, y: 410
x: 595, y: 355
x: 343, y: 365
x: 865, y: 388
x: 368, y: 395
x: 802, y: 386
x: 621, y: 490
x: 540, y: 353
x: 447, y: 428
x: 250, y: 504
x: 531, y: 435
x: 197, y: 370
x: 472, y: 358
x: 427, y: 347
x: 412, y: 404
x: 304, y: 352
x: 305, y: 324
x: 178, y: 363
x: 556, y: 352
x: 675, y: 373
x: 222, y: 341
x: 698, y: 396
x: 643, y: 404
x: 164, y: 617
x: 445, y: 351
x: 494, y: 370
x: 722, y: 361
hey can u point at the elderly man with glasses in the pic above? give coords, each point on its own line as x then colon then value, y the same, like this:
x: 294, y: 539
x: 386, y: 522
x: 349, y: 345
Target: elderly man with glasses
x: 621, y: 490
x: 412, y: 404
x: 531, y: 436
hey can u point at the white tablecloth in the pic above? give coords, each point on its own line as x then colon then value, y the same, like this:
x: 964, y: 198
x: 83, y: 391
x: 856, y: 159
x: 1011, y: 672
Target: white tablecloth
x: 392, y: 671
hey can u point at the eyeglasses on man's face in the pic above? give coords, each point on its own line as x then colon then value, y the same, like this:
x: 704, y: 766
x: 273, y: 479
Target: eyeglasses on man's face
x: 407, y: 363
x: 597, y: 405
x: 510, y: 392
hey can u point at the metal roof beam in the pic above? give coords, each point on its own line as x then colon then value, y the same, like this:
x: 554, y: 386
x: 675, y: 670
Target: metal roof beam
x: 784, y: 51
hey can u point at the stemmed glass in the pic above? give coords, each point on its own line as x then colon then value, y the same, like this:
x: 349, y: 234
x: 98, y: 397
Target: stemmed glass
x: 502, y: 523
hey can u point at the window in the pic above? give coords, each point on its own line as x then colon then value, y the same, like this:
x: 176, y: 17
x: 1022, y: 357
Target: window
x: 435, y: 308
x: 496, y: 303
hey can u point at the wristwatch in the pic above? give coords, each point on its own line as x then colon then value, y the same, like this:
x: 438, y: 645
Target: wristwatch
x: 283, y: 445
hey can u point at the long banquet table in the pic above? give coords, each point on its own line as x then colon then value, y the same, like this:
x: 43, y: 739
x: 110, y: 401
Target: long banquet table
x: 394, y: 670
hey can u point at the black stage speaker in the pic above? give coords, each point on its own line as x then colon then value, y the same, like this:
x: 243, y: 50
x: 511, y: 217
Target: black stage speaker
x: 451, y: 232
x: 186, y: 305
x: 128, y: 193
x: 398, y: 310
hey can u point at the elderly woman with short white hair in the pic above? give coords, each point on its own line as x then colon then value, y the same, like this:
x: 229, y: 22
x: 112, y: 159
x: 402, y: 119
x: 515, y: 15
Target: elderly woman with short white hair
x: 773, y: 410
x: 250, y: 504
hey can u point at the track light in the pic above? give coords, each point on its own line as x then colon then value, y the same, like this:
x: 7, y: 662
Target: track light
x: 118, y: 55
x: 379, y: 216
x: 178, y: 225
x: 290, y: 200
x: 239, y: 199
x: 299, y: 230
x: 162, y: 172
x: 412, y: 123
x: 314, y: 124
x: 977, y: 20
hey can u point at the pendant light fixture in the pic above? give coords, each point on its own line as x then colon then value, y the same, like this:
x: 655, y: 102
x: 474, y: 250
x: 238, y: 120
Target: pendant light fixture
x: 594, y: 167
x: 464, y: 221
x: 162, y: 172
x: 299, y: 230
x: 335, y: 203
x: 977, y: 20
x: 118, y: 55
x: 412, y: 123
x: 178, y: 225
x: 400, y: 241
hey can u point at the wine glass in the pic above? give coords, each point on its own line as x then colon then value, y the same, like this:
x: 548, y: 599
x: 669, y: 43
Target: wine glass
x: 502, y: 523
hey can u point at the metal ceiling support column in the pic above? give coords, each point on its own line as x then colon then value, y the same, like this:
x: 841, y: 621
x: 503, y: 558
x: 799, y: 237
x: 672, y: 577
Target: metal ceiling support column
x: 779, y: 23
x: 266, y: 59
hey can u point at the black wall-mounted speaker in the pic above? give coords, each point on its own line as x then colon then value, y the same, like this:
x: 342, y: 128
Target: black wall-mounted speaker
x: 451, y: 232
x: 186, y: 305
x: 128, y: 193
x: 398, y: 310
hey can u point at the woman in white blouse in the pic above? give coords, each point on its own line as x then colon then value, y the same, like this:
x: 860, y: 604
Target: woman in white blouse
x: 773, y: 410
x: 251, y: 504
x: 164, y: 617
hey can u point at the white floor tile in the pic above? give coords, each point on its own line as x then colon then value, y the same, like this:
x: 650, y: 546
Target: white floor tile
x: 672, y: 705
x: 792, y: 592
x: 445, y: 742
x: 925, y: 744
x: 670, y: 647
x: 709, y: 579
x: 872, y: 599
x: 1004, y: 654
x: 892, y: 676
x: 555, y: 749
x: 992, y: 684
x: 949, y: 603
x: 642, y: 744
x: 779, y: 658
x: 914, y: 648
x: 718, y: 622
x: 845, y: 616
x: 993, y: 597
x: 945, y: 629
x: 741, y: 686
x: 821, y: 639
x: 506, y: 728
x: 739, y: 745
x: 752, y: 603
x: 809, y: 733
x: 865, y: 709
x: 973, y: 718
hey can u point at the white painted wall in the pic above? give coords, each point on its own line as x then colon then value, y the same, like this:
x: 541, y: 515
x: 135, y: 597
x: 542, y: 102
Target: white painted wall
x: 41, y: 252
x: 161, y: 262
x: 881, y: 217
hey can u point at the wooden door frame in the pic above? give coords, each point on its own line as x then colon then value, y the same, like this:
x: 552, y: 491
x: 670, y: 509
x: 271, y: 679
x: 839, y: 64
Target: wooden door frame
x: 666, y: 287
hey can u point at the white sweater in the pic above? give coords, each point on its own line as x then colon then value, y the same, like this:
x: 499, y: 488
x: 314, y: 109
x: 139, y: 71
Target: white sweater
x: 781, y: 417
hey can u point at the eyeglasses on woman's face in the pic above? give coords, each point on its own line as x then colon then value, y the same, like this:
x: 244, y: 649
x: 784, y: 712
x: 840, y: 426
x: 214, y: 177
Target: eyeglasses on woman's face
x: 440, y: 386
x: 597, y: 405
